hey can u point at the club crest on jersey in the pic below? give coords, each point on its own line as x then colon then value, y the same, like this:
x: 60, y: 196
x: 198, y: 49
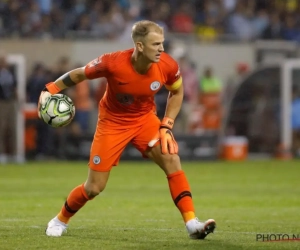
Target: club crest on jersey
x: 155, y: 85
x: 96, y: 159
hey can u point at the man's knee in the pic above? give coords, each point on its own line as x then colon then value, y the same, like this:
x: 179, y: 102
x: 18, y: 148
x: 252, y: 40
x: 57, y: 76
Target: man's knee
x: 171, y: 159
x: 93, y: 189
x: 170, y: 163
x: 156, y: 154
x: 95, y: 183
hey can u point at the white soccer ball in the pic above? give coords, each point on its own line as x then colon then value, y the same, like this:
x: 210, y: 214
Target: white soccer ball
x: 58, y: 110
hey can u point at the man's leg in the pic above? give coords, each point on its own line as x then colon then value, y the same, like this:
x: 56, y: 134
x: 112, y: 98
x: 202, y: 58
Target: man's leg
x: 181, y: 193
x: 3, y: 125
x: 12, y: 131
x: 106, y: 150
x: 178, y: 183
x: 77, y: 198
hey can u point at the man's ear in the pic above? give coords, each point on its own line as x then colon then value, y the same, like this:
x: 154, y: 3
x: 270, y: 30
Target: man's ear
x: 140, y: 46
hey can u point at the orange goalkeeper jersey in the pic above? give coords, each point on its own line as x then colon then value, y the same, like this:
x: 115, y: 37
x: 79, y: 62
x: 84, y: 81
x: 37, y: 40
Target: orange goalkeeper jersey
x: 130, y: 95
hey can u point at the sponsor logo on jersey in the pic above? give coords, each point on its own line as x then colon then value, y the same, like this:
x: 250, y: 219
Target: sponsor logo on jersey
x: 125, y: 99
x: 155, y: 85
x: 96, y: 159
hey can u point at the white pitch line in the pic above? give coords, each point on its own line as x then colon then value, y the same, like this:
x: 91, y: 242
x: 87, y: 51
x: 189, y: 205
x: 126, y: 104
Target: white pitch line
x: 161, y: 220
x: 14, y: 220
x: 261, y: 222
x: 147, y: 229
x: 129, y: 228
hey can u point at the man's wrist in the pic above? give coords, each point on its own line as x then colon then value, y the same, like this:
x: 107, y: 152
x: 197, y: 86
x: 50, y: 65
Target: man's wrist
x: 167, y: 122
x: 52, y: 88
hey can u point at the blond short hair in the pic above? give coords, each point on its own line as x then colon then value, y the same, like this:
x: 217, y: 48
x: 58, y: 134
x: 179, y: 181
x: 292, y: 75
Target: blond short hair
x: 142, y: 28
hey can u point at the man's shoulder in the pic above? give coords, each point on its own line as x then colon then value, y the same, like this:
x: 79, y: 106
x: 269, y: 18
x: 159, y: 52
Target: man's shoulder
x: 167, y: 63
x: 169, y: 66
x: 166, y: 59
x: 119, y: 55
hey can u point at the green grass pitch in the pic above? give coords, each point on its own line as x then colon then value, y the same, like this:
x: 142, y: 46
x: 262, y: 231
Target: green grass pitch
x: 136, y: 211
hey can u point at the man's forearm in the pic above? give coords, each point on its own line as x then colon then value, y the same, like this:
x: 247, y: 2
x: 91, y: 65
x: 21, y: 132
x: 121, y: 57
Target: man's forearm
x: 174, y: 103
x: 71, y: 78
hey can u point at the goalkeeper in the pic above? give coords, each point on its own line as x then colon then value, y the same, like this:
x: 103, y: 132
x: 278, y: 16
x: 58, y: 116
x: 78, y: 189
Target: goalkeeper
x: 127, y: 115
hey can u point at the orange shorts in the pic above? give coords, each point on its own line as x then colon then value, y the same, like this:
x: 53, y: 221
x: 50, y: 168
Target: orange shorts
x: 110, y: 140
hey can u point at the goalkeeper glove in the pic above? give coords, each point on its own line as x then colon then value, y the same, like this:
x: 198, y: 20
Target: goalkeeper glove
x: 50, y: 89
x: 167, y: 140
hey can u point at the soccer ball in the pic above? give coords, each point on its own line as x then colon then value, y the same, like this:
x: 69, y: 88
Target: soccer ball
x: 58, y: 110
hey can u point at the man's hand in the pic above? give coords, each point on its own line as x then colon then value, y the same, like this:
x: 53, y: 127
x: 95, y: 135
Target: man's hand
x: 44, y: 96
x: 50, y: 89
x: 167, y: 140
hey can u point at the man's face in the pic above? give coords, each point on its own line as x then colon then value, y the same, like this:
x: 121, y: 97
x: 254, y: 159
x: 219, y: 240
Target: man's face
x: 153, y: 46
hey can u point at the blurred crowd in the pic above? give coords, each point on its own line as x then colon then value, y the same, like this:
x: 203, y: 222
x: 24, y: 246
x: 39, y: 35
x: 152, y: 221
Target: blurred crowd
x: 204, y: 20
x: 208, y: 20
